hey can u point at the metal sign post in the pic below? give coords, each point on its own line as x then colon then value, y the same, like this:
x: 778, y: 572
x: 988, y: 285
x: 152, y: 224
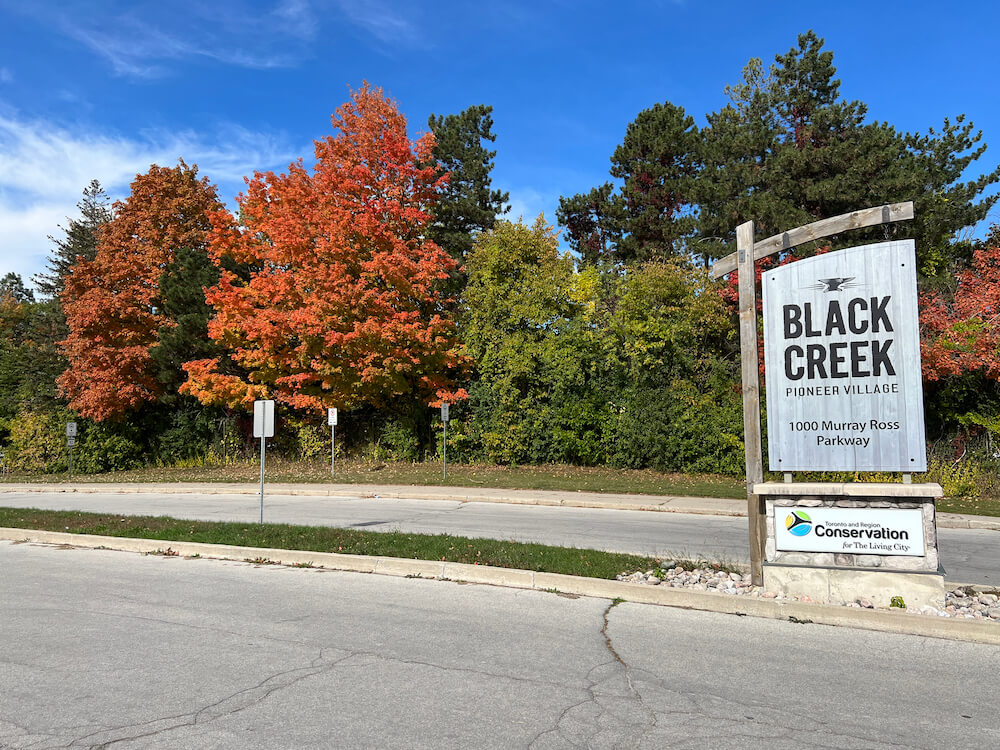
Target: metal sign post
x: 263, y: 427
x: 331, y: 419
x: 70, y: 442
x: 444, y: 421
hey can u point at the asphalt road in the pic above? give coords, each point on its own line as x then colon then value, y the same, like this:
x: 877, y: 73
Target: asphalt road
x: 968, y: 555
x: 102, y: 649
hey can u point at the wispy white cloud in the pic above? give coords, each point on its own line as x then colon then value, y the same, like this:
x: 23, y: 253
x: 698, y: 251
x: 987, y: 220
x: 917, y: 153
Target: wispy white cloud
x: 142, y: 39
x: 149, y: 38
x: 388, y: 22
x: 6, y: 76
x: 44, y: 168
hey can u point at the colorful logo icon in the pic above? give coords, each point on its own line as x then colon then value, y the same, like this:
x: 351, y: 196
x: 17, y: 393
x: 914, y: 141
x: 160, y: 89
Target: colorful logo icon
x: 798, y: 523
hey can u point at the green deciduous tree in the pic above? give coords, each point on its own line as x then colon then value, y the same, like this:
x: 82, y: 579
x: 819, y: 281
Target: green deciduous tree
x: 596, y: 366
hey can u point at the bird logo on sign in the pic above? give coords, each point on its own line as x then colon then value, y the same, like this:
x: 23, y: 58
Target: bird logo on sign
x: 836, y: 284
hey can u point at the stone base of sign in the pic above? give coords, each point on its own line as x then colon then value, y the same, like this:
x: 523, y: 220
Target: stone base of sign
x: 847, y: 585
x: 838, y: 577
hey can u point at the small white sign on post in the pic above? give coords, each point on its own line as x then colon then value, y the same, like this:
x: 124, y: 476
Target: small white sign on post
x: 444, y: 412
x: 263, y: 427
x: 331, y: 417
x: 70, y: 429
x: 263, y: 419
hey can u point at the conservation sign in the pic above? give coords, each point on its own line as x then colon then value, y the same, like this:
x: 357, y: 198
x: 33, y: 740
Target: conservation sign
x: 842, y: 362
x: 864, y: 531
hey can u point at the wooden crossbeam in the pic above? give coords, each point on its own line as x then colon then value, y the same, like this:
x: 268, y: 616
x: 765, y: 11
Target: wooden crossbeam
x: 868, y: 217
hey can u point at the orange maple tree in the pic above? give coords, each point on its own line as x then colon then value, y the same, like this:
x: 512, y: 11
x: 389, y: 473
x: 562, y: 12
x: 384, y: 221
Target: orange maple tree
x: 330, y: 293
x: 112, y: 302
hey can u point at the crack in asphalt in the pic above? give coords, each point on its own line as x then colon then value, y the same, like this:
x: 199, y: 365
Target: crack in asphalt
x: 604, y: 702
x: 231, y: 704
x: 246, y: 698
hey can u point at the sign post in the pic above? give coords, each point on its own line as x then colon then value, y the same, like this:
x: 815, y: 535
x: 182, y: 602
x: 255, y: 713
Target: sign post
x: 70, y: 442
x: 331, y: 419
x: 263, y: 427
x: 444, y: 422
x: 751, y: 396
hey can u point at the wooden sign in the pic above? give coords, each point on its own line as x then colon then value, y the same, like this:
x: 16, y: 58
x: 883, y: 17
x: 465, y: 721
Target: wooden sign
x: 842, y: 362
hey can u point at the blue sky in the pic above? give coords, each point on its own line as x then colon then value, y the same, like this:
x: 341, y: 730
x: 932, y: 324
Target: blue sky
x: 104, y: 89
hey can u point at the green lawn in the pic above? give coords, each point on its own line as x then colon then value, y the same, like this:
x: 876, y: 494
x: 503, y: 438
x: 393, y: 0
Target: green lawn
x: 504, y: 554
x: 550, y: 477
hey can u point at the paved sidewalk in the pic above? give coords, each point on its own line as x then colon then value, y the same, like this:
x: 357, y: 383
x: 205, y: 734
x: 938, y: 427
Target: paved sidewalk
x: 662, y: 503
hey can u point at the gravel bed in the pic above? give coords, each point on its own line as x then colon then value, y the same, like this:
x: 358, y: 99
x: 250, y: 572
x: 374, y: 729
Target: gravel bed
x: 970, y: 602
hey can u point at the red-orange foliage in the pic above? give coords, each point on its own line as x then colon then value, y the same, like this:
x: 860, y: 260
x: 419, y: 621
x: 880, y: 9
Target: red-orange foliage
x: 730, y: 293
x: 340, y: 303
x: 964, y: 335
x: 111, y: 302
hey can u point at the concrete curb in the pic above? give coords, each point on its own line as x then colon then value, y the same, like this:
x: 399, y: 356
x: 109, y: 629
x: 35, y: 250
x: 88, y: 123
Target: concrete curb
x: 820, y: 614
x: 704, y: 506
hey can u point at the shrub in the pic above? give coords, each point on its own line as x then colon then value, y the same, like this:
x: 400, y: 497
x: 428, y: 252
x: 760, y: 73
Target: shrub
x: 312, y: 441
x: 37, y: 442
x: 104, y: 448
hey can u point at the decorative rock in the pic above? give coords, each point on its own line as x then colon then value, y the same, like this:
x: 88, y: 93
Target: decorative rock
x: 980, y: 603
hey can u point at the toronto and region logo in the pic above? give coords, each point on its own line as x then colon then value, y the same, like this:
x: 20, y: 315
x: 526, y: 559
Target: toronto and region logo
x: 798, y: 523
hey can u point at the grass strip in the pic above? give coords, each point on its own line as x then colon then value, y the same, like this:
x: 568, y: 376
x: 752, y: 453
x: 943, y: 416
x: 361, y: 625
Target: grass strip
x: 502, y: 554
x: 352, y: 471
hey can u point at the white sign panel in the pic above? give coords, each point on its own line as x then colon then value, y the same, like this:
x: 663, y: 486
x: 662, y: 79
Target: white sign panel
x: 444, y: 412
x: 863, y: 531
x: 842, y: 362
x: 263, y: 419
x: 331, y: 417
x: 71, y: 429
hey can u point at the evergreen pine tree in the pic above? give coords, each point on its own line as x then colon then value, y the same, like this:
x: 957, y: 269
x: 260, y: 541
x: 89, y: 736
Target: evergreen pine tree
x: 657, y: 162
x: 80, y: 240
x: 468, y: 204
x: 594, y: 222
